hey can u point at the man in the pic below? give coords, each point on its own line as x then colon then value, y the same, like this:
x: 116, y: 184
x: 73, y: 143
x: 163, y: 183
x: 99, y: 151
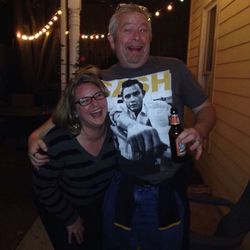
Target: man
x: 149, y: 188
x: 144, y: 112
x: 132, y: 95
x: 163, y: 79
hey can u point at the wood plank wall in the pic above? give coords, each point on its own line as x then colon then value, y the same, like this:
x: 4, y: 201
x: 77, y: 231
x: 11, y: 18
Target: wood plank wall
x: 226, y: 167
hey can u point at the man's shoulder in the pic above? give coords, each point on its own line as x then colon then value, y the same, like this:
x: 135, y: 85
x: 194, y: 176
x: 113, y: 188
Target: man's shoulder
x: 165, y: 60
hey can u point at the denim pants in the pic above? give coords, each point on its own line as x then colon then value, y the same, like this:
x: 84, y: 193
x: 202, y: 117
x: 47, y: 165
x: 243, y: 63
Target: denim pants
x: 144, y: 234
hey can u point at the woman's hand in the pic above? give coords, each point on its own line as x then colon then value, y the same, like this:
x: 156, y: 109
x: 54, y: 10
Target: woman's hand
x: 77, y: 230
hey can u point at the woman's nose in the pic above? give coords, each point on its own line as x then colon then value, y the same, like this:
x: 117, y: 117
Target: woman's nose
x: 94, y: 102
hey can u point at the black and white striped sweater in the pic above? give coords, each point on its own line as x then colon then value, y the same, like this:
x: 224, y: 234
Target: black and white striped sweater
x: 72, y: 177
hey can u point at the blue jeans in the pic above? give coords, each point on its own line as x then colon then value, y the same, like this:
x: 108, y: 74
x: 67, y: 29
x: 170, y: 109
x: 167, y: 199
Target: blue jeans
x: 144, y: 234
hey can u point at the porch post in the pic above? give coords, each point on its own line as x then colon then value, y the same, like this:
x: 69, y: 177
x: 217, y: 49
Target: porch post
x: 74, y: 35
x: 63, y: 45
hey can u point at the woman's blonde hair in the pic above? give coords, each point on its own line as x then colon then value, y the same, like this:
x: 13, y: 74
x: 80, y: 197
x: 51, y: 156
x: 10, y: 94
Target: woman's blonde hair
x: 65, y: 112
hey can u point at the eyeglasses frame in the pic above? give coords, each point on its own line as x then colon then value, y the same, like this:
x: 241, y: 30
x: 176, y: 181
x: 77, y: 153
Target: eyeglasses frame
x: 90, y: 98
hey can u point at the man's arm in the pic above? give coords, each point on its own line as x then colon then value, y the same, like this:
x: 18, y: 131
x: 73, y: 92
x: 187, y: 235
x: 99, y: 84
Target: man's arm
x: 205, y: 118
x: 36, y: 146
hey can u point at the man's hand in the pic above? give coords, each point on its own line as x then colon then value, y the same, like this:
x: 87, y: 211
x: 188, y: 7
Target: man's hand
x: 77, y: 230
x: 204, y: 120
x: 36, y: 147
x: 193, y: 139
x: 143, y: 138
x: 37, y: 151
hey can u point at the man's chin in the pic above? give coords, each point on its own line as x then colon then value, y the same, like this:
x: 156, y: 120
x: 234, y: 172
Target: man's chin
x: 135, y: 110
x: 135, y: 60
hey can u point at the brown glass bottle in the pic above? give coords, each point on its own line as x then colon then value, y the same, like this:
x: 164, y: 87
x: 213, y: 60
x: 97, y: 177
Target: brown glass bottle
x: 178, y: 151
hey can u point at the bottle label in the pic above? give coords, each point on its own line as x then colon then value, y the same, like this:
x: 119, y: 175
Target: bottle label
x: 174, y: 120
x: 180, y: 149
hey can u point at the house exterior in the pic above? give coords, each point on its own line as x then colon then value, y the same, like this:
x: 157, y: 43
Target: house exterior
x: 219, y: 56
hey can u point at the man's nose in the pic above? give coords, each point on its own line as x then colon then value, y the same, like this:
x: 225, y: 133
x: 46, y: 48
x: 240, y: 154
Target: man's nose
x: 132, y: 98
x: 136, y: 34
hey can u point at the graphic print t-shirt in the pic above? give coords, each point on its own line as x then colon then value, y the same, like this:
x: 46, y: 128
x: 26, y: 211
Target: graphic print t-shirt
x: 166, y: 82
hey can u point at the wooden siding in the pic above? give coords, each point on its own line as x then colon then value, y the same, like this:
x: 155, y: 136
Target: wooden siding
x: 226, y: 166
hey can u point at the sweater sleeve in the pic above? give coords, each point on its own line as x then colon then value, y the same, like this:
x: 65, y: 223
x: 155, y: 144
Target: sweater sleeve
x: 46, y: 182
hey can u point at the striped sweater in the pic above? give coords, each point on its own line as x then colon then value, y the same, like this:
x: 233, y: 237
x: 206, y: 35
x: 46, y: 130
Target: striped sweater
x: 72, y: 177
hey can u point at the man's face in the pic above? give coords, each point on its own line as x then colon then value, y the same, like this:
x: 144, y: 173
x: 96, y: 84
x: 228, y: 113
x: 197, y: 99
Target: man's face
x: 132, y: 40
x: 133, y: 97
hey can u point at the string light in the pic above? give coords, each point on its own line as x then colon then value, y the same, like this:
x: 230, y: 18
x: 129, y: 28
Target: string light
x: 169, y: 7
x: 93, y: 36
x: 50, y: 24
x: 44, y: 30
x: 157, y: 13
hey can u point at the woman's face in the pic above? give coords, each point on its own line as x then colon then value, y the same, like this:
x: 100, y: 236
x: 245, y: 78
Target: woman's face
x: 93, y: 114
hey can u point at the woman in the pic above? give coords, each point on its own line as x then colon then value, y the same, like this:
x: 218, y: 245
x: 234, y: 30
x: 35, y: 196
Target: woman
x: 69, y: 188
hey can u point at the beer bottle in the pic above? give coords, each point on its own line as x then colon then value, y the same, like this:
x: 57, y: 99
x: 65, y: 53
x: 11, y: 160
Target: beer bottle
x: 178, y: 151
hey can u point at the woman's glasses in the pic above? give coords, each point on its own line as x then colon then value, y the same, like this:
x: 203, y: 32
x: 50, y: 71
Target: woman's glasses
x: 84, y: 101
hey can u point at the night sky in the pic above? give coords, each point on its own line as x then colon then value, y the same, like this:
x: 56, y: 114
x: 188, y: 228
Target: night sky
x: 6, y: 22
x: 170, y: 34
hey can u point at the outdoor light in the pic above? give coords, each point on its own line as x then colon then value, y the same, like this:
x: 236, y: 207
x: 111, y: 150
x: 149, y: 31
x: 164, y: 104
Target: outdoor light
x: 24, y: 37
x: 169, y: 7
x: 157, y: 13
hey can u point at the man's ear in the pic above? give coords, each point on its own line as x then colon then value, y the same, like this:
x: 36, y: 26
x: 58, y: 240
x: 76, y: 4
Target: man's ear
x: 111, y: 41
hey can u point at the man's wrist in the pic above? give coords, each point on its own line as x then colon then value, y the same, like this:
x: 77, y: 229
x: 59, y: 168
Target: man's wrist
x: 202, y: 133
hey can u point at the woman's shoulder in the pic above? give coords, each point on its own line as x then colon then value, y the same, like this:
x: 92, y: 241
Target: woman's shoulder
x: 57, y: 134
